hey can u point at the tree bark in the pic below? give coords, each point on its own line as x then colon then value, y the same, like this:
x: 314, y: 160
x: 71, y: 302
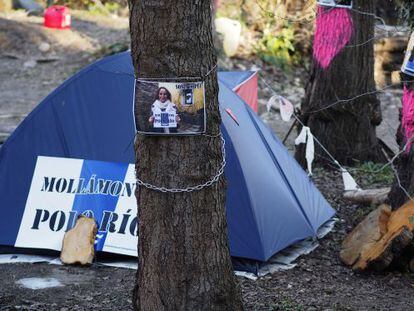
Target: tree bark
x: 403, y: 184
x: 388, y: 10
x: 346, y: 129
x: 183, y: 256
x: 403, y: 187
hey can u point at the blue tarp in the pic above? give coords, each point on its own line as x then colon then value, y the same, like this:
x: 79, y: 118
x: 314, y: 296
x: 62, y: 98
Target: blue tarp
x: 271, y: 202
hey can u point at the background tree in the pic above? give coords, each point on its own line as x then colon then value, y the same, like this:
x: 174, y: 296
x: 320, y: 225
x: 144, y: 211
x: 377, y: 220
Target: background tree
x: 395, y: 248
x: 403, y: 186
x: 407, y: 12
x: 343, y: 68
x: 184, y: 261
x: 387, y: 10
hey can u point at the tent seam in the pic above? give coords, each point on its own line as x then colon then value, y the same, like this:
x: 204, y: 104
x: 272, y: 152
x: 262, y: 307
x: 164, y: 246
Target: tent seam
x: 282, y: 172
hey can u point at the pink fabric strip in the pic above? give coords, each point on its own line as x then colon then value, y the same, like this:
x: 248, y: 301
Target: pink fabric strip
x: 334, y: 29
x: 408, y: 115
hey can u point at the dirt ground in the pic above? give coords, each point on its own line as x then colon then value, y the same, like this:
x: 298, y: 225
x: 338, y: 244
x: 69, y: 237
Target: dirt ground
x: 35, y: 60
x: 318, y: 282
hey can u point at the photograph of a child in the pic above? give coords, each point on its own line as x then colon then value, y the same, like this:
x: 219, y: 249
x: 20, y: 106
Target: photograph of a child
x: 169, y: 108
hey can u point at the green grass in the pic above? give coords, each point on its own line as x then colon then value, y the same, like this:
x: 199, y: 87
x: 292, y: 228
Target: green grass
x: 369, y: 173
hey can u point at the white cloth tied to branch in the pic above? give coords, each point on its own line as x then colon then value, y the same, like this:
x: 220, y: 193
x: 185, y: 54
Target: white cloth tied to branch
x: 286, y: 108
x: 349, y: 181
x: 306, y: 137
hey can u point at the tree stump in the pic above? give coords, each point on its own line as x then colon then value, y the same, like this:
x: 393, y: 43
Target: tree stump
x: 367, y: 233
x: 6, y: 5
x: 382, y: 236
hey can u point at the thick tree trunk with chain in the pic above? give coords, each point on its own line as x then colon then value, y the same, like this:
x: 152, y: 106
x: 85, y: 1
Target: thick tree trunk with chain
x: 340, y: 117
x: 184, y: 261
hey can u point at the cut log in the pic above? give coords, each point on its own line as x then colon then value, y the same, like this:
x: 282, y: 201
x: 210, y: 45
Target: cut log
x: 380, y: 256
x: 6, y: 5
x: 375, y: 242
x: 368, y: 197
x: 78, y: 243
x: 366, y: 234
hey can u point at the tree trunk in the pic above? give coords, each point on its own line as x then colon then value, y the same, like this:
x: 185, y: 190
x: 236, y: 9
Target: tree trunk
x: 183, y: 256
x: 394, y: 248
x: 403, y: 186
x: 343, y: 68
x: 388, y: 10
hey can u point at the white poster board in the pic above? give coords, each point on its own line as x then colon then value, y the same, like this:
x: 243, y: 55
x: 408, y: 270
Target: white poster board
x: 62, y: 189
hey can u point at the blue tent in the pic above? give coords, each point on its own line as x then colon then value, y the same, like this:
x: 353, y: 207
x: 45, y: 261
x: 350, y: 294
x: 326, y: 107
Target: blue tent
x: 271, y: 202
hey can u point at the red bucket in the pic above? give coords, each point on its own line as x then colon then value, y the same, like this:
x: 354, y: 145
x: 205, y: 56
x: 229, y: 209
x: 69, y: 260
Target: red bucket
x: 57, y: 16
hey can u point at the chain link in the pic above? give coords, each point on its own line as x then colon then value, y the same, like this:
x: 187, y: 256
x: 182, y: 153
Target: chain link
x: 191, y: 188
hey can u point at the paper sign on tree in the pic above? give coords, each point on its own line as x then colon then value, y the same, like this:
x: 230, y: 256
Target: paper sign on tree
x: 169, y: 108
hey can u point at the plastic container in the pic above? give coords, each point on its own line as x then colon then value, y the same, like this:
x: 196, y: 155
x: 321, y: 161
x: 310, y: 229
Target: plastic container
x: 57, y: 16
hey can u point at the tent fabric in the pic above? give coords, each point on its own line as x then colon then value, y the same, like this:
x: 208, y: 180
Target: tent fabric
x: 248, y: 91
x: 233, y: 79
x: 271, y: 202
x: 243, y: 84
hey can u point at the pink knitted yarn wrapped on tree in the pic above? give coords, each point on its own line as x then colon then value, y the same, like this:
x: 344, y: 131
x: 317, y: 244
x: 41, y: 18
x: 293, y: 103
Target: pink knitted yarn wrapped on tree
x: 334, y: 29
x: 408, y: 116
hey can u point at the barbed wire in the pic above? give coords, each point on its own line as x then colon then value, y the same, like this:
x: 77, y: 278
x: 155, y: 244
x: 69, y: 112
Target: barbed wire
x: 399, y: 183
x: 316, y: 15
x: 396, y: 29
x: 369, y: 14
x: 390, y: 164
x: 391, y: 161
x: 390, y: 129
x: 349, y: 100
x: 342, y: 101
x: 320, y: 144
x: 331, y: 158
x: 339, y: 101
